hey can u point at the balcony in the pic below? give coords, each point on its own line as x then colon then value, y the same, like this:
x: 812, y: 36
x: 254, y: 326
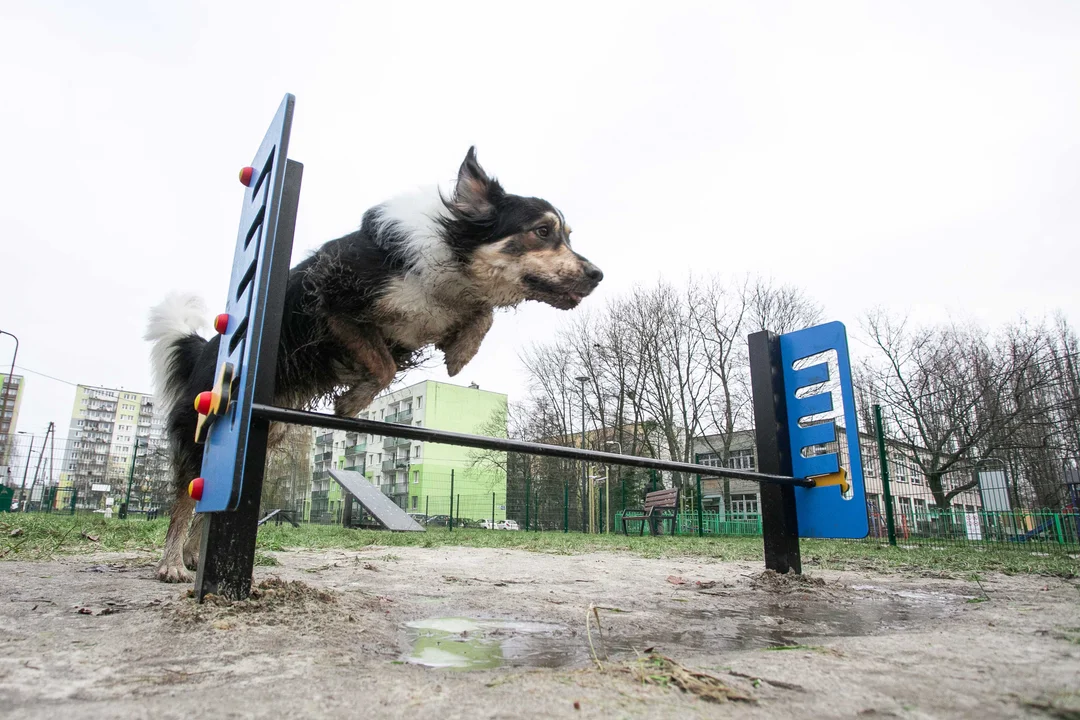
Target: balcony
x: 394, y: 489
x: 358, y: 449
x: 403, y: 417
x: 323, y: 457
x: 394, y: 464
x: 359, y: 467
x: 392, y: 442
x: 325, y: 439
x: 319, y: 475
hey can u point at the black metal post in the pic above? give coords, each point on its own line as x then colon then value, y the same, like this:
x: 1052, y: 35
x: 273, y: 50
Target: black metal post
x: 131, y: 477
x: 566, y: 507
x: 700, y: 510
x: 527, y: 503
x: 227, y: 559
x: 346, y: 513
x: 886, y: 491
x: 446, y: 437
x: 779, y: 523
x: 492, y: 511
x: 450, y: 523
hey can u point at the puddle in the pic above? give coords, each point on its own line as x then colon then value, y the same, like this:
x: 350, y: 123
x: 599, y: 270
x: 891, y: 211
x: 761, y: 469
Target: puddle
x: 473, y: 644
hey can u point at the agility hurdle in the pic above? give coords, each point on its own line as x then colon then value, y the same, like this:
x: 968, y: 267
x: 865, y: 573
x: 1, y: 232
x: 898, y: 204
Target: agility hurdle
x: 802, y: 495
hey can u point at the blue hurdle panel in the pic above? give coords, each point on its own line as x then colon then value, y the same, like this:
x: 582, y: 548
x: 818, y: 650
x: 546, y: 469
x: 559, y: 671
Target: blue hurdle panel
x: 823, y: 512
x: 248, y: 353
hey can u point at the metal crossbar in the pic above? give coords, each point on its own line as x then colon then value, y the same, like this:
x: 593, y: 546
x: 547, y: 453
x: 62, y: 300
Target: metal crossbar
x: 377, y: 427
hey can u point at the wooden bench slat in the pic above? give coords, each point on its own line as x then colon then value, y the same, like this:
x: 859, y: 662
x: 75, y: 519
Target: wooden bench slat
x: 660, y: 505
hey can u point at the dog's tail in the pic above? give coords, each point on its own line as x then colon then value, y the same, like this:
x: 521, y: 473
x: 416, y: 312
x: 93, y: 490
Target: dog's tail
x: 173, y: 330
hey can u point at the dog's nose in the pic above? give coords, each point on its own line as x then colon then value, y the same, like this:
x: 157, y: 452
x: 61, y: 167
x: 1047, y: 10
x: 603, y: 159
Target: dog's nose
x: 593, y: 273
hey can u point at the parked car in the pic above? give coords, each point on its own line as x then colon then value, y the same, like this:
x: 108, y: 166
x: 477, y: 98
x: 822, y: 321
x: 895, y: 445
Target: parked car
x: 500, y: 524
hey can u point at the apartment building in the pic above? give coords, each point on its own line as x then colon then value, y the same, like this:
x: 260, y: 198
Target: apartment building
x: 106, y: 427
x: 11, y: 395
x: 412, y: 473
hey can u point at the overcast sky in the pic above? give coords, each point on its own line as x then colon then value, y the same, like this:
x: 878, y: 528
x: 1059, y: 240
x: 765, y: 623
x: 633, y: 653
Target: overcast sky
x: 919, y: 156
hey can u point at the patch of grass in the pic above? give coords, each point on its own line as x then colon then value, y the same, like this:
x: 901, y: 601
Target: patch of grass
x: 36, y: 536
x: 814, y: 648
x: 264, y: 560
x: 39, y: 536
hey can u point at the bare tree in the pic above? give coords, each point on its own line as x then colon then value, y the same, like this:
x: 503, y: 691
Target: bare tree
x: 288, y: 469
x: 953, y: 393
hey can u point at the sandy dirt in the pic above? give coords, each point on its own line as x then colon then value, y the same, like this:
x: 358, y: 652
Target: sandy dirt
x: 373, y: 632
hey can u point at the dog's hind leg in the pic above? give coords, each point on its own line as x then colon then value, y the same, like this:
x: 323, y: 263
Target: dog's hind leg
x: 171, y: 568
x: 194, y: 542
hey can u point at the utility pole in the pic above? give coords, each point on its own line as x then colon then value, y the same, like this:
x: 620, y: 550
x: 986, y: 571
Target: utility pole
x: 37, y: 469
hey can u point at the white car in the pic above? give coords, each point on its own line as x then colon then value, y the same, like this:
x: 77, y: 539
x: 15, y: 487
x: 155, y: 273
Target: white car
x: 500, y: 525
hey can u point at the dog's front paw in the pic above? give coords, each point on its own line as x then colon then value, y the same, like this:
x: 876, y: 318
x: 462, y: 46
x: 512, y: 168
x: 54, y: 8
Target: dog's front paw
x: 174, y: 574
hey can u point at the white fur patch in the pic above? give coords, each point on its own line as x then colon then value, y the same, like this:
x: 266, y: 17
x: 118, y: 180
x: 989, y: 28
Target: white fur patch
x: 176, y: 317
x: 417, y: 216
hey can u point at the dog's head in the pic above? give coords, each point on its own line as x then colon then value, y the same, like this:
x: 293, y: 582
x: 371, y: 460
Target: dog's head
x: 516, y: 248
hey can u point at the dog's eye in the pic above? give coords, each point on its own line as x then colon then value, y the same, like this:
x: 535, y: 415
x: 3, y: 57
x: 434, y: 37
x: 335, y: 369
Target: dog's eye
x: 543, y: 231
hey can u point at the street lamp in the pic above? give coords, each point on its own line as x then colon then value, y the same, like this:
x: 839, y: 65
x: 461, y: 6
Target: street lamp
x: 584, y: 482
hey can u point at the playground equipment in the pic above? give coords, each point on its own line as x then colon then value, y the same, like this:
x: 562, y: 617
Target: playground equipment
x: 805, y: 491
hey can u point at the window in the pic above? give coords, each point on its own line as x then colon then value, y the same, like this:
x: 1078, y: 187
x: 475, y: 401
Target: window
x: 419, y: 404
x: 744, y: 507
x: 416, y: 451
x: 741, y: 459
x: 415, y: 500
x: 710, y: 459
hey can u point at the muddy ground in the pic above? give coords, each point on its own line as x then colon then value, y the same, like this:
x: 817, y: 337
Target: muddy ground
x: 385, y: 632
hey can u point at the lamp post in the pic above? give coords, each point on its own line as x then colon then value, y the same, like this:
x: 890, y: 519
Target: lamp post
x: 607, y: 489
x: 584, y: 481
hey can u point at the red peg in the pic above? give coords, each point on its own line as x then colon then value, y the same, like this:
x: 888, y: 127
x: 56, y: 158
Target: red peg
x: 245, y: 176
x: 221, y: 323
x: 203, y: 402
x: 195, y: 488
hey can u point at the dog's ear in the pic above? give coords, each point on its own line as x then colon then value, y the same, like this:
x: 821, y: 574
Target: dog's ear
x: 475, y: 192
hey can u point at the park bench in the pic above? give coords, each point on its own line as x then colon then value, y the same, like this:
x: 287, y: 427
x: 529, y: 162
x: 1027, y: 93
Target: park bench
x: 659, y: 506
